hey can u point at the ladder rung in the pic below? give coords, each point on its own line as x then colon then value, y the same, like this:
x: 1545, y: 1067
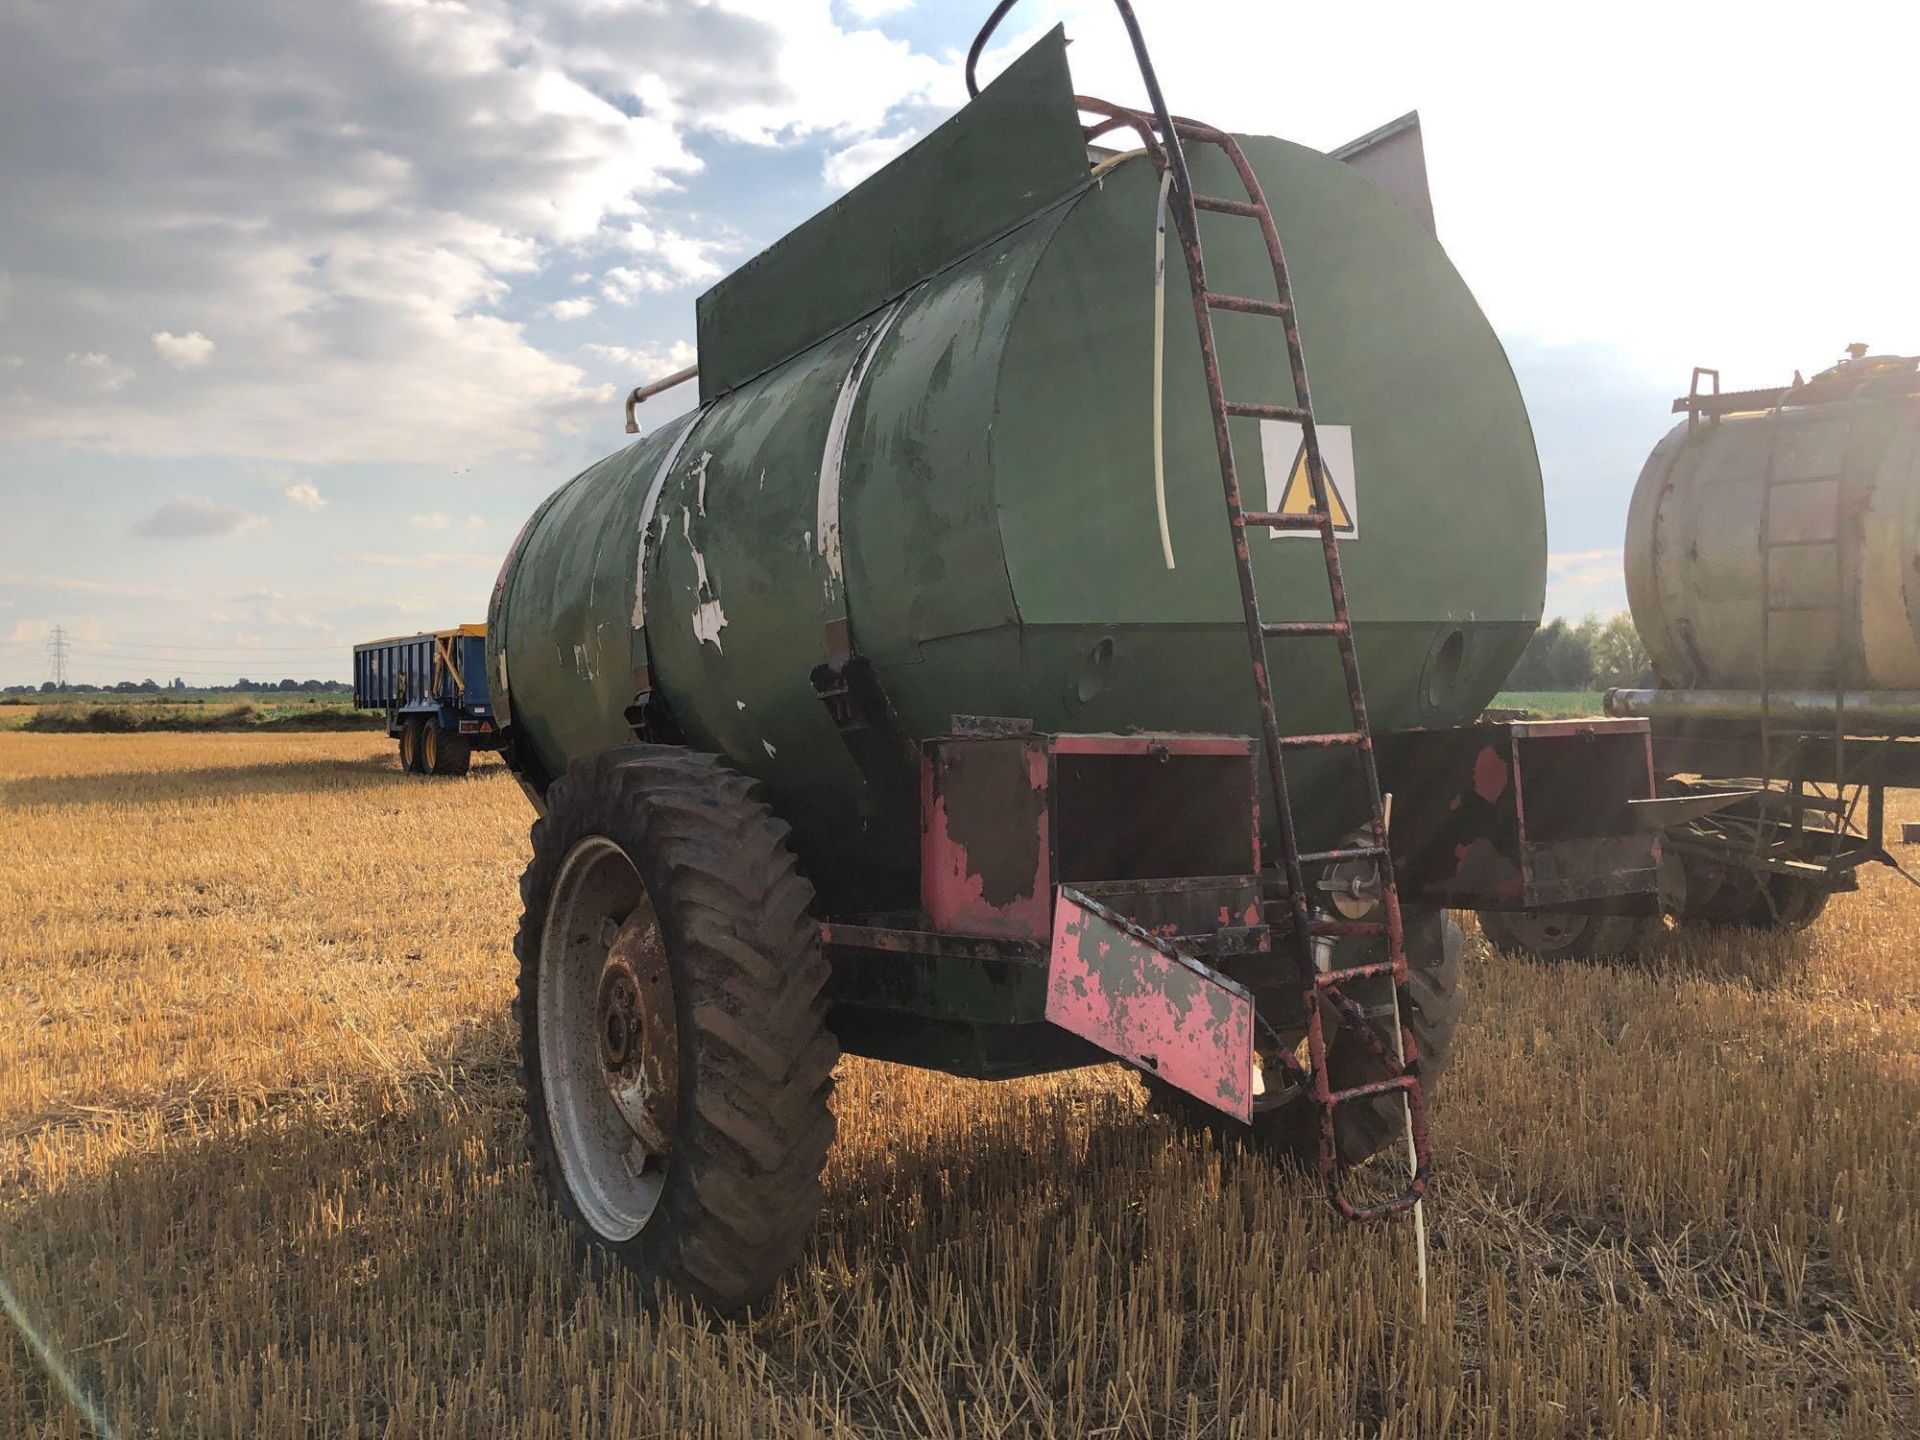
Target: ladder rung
x: 1338, y: 928
x: 1277, y: 520
x: 1222, y: 206
x: 1329, y: 741
x: 1371, y: 1089
x: 1333, y: 979
x: 1245, y: 304
x: 1267, y: 412
x: 1285, y: 628
x: 1351, y: 852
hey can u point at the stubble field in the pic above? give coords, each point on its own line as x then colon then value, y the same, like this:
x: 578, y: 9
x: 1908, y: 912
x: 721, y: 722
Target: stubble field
x: 261, y: 1174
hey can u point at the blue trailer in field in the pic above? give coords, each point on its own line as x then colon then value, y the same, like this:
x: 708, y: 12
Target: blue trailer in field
x: 433, y: 687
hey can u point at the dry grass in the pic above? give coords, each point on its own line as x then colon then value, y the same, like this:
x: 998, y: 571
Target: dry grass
x: 261, y: 1175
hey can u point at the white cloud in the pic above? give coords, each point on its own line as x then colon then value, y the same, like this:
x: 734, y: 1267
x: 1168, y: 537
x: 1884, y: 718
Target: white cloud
x: 183, y: 352
x: 77, y: 586
x: 623, y: 286
x: 476, y: 522
x: 874, y: 9
x: 846, y: 168
x: 652, y: 359
x: 671, y: 262
x: 344, y: 196
x: 1581, y: 567
x: 186, y: 517
x: 817, y: 78
x: 101, y: 373
x: 571, y: 309
x: 432, y: 520
x: 305, y: 495
x: 431, y: 561
x: 676, y: 259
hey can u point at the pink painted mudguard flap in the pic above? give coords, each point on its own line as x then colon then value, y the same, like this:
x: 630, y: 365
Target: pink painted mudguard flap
x: 1164, y: 1011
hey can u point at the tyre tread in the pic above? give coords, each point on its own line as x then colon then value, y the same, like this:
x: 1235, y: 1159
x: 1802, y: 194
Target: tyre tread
x: 757, y: 1060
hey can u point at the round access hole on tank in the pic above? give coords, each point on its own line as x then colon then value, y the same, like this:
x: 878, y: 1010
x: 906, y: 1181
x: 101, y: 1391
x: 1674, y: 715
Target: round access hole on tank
x: 1443, y: 669
x: 1093, y: 671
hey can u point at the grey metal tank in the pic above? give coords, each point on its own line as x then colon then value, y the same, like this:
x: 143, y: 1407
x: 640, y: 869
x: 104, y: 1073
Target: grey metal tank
x: 1840, y: 457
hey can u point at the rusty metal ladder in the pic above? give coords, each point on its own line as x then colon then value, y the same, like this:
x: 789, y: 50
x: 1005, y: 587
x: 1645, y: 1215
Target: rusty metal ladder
x: 1163, y: 136
x: 1320, y: 988
x: 1794, y: 796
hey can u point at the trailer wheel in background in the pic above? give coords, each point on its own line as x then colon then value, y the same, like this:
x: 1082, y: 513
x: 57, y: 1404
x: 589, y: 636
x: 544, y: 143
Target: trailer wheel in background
x: 452, y: 753
x: 1292, y: 1127
x: 442, y: 752
x: 1550, y: 935
x: 1796, y: 905
x: 410, y: 746
x: 1734, y: 895
x: 1781, y: 903
x: 673, y: 1043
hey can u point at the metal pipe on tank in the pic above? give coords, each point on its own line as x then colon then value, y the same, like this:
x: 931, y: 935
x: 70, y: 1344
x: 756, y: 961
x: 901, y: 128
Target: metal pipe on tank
x: 645, y: 392
x: 1863, y: 712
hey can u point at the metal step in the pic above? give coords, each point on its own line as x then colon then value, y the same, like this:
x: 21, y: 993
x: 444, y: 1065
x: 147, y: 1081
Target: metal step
x: 1277, y: 520
x: 1282, y: 629
x: 1258, y: 411
x: 1246, y: 305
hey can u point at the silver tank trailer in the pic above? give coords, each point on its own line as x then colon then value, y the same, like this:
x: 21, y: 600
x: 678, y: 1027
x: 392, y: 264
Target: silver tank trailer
x: 1840, y: 457
x: 1773, y: 570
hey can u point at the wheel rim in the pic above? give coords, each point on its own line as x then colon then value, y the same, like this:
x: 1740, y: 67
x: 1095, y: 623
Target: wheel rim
x: 431, y: 756
x: 609, y: 1041
x: 406, y: 747
x: 1544, y: 932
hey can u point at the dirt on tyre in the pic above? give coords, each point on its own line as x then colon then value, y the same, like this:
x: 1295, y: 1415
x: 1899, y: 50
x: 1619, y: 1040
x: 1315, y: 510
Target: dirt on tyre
x: 1291, y: 1125
x: 674, y: 1052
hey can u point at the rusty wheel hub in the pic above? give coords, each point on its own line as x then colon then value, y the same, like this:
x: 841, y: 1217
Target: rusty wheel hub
x: 609, y: 1042
x: 638, y: 1034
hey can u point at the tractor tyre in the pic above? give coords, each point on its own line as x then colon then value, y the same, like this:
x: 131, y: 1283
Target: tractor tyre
x: 1548, y: 935
x: 450, y: 753
x: 673, y: 1044
x: 410, y: 746
x: 1363, y: 1129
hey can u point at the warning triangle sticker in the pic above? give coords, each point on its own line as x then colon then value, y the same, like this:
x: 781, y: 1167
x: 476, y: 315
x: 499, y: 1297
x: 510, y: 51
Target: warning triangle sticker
x: 1298, y: 499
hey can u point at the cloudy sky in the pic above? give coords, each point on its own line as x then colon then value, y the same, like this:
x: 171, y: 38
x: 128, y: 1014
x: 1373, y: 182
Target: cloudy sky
x: 304, y: 306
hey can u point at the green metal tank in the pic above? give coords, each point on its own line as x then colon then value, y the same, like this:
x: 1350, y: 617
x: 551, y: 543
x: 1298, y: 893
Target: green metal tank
x: 925, y: 461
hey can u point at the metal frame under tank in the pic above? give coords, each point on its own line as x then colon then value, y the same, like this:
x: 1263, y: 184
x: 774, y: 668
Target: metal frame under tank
x: 1038, y: 850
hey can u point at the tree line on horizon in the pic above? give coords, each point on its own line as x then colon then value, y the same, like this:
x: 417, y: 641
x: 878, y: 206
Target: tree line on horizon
x: 154, y: 687
x: 1598, y: 652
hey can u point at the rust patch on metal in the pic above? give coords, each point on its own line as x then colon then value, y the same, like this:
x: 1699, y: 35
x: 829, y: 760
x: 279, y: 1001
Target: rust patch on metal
x: 985, y: 843
x: 1112, y: 983
x: 639, y: 1033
